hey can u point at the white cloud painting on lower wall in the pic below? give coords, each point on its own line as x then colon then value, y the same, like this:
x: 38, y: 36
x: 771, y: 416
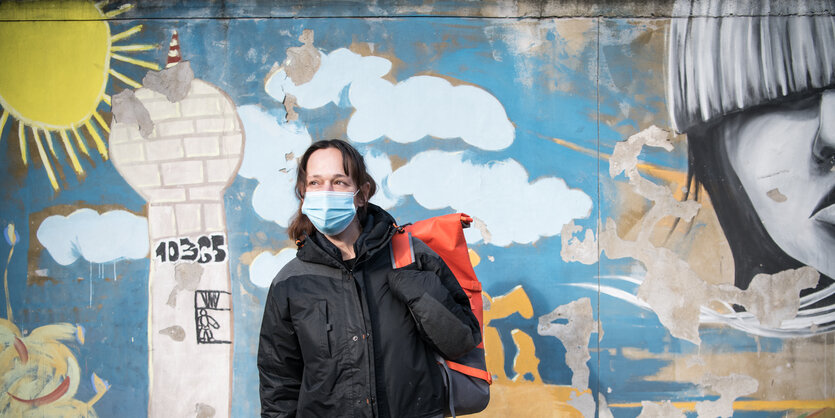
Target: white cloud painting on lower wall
x: 97, y: 238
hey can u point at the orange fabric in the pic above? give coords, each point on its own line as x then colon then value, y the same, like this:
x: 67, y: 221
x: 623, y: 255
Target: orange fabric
x: 402, y: 250
x: 445, y: 235
x: 470, y: 371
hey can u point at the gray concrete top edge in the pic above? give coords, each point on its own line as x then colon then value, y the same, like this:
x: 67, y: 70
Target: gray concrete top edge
x: 487, y: 9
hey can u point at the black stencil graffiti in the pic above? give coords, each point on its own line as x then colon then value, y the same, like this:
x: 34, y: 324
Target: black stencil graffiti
x: 206, y: 303
x: 207, y: 249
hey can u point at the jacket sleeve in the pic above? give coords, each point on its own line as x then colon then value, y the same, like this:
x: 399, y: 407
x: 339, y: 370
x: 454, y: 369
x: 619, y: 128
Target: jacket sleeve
x: 438, y: 304
x: 279, y: 358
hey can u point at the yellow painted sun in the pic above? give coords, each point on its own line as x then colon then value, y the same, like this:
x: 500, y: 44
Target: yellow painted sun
x: 56, y: 66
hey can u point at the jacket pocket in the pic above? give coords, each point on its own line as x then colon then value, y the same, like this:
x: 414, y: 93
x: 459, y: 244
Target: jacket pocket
x: 313, y: 328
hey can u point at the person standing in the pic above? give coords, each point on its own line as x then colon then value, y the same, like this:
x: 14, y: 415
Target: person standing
x: 343, y: 333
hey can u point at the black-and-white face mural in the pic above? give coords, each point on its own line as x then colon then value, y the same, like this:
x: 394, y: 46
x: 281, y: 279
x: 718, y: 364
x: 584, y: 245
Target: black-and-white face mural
x: 754, y: 96
x: 783, y: 157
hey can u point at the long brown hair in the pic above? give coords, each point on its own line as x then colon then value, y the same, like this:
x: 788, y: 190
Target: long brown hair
x: 354, y: 166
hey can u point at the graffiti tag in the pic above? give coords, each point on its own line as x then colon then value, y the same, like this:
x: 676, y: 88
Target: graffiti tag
x: 207, y: 249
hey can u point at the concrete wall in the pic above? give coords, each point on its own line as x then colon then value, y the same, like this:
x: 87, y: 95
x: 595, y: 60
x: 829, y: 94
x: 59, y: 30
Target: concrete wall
x: 652, y: 187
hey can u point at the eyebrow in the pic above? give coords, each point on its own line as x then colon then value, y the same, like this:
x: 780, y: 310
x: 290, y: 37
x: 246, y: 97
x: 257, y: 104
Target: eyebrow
x: 335, y: 176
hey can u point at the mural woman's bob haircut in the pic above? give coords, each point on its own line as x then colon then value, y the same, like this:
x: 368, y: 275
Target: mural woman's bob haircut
x: 354, y: 166
x: 720, y: 66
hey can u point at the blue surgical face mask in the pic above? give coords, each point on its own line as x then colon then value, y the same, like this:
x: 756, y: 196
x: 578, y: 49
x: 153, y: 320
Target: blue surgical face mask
x: 330, y: 212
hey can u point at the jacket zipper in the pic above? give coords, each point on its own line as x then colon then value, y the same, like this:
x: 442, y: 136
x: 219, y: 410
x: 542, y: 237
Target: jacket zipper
x: 366, y: 341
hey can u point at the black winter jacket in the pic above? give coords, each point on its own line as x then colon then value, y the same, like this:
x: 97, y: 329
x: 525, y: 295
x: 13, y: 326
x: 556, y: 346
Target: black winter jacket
x: 358, y: 339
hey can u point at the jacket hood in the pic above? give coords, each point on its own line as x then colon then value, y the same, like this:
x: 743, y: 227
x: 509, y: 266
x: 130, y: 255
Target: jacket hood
x: 377, y: 230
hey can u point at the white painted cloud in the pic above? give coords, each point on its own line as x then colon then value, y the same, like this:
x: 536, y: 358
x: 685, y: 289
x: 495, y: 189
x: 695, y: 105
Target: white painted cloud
x: 270, y: 156
x: 498, y: 194
x: 266, y: 265
x: 379, y: 166
x: 426, y: 105
x: 336, y: 71
x: 98, y: 238
x: 405, y: 112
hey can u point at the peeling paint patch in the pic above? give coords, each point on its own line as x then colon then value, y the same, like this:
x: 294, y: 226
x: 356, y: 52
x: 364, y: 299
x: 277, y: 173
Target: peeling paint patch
x: 729, y: 388
x: 583, y: 403
x: 776, y: 196
x: 664, y: 409
x: 290, y: 107
x: 176, y: 332
x: 573, y: 249
x: 186, y: 277
x: 773, y: 298
x: 603, y: 410
x: 574, y: 335
x: 808, y: 378
x: 302, y: 62
x: 202, y: 410
x: 481, y: 226
x: 128, y: 109
x: 173, y: 82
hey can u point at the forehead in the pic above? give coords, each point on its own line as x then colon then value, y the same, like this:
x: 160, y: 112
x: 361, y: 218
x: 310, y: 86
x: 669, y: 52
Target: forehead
x: 325, y: 163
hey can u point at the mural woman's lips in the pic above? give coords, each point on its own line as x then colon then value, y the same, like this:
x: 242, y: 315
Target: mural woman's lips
x: 825, y: 209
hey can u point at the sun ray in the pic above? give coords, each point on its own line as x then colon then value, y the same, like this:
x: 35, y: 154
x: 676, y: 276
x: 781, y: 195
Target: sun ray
x: 100, y: 120
x: 97, y: 139
x: 3, y: 120
x: 141, y: 63
x: 80, y: 141
x: 76, y: 165
x: 106, y: 98
x: 126, y: 34
x: 120, y: 10
x: 21, y: 137
x: 45, y: 159
x: 133, y: 48
x: 48, y: 137
x: 125, y: 79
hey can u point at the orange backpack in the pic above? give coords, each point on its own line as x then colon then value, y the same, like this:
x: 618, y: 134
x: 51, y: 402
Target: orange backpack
x: 467, y: 379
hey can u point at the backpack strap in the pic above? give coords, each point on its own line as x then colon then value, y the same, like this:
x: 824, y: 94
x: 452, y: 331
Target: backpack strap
x: 470, y: 371
x: 402, y: 251
x: 447, y: 375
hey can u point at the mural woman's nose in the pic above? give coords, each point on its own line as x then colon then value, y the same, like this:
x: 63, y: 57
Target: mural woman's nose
x: 824, y: 146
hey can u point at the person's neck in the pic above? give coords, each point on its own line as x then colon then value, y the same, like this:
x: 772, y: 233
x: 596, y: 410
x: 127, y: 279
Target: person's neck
x: 346, y: 239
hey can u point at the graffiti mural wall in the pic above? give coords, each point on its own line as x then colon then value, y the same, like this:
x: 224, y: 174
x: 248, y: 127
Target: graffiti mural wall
x: 653, y: 197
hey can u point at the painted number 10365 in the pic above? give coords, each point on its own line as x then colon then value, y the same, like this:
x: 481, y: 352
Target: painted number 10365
x: 206, y: 249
